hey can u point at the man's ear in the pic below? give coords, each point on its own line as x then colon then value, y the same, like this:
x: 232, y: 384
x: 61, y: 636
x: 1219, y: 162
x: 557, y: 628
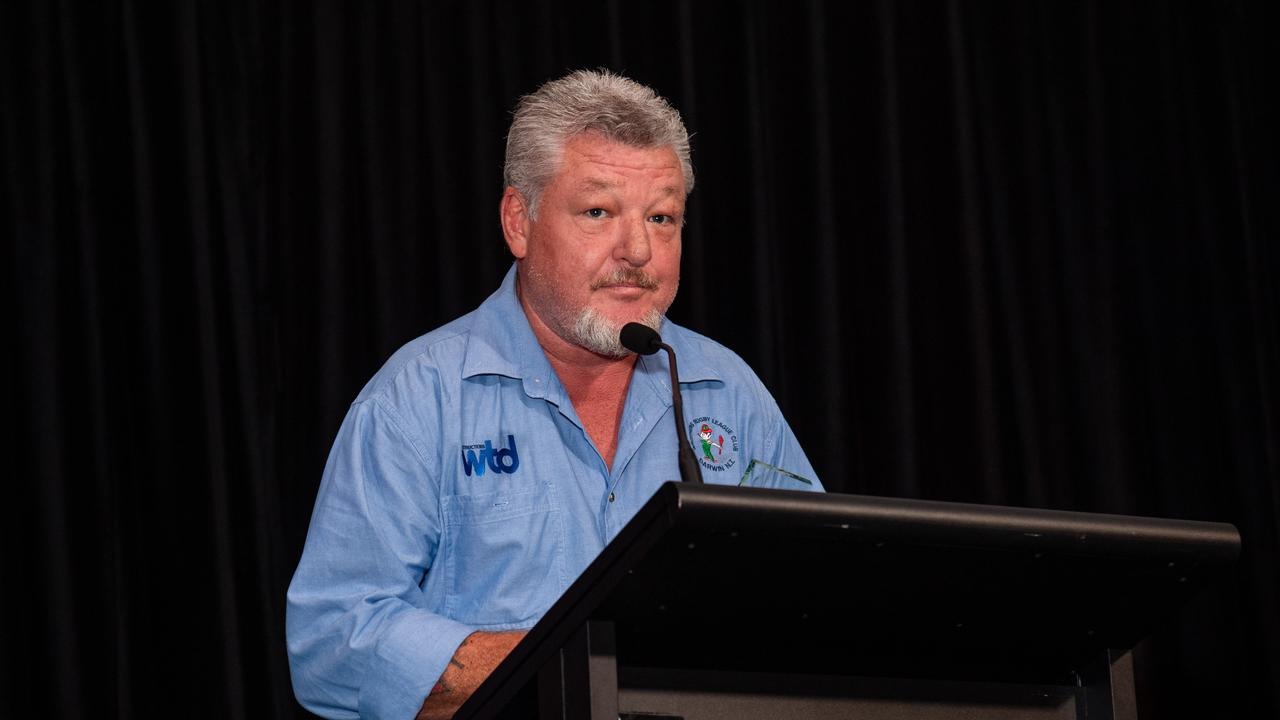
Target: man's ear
x: 514, y: 213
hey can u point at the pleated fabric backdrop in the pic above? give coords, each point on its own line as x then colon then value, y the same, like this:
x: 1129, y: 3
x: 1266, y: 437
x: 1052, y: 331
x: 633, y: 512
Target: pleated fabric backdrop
x: 1012, y: 252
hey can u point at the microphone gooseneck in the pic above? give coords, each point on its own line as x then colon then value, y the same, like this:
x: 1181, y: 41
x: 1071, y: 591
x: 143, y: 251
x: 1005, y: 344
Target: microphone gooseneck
x: 644, y: 340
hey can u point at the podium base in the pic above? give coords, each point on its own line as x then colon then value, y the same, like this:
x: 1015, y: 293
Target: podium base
x: 584, y: 681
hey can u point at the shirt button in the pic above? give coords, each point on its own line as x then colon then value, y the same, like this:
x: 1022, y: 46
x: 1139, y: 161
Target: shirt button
x: 610, y: 497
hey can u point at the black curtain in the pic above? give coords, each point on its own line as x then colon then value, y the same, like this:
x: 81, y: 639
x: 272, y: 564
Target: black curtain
x: 1011, y: 252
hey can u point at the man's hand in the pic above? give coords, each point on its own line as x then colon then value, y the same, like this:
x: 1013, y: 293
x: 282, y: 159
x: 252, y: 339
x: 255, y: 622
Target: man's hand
x: 476, y: 657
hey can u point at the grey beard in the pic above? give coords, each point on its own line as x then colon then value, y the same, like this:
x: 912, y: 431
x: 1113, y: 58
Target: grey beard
x: 599, y: 335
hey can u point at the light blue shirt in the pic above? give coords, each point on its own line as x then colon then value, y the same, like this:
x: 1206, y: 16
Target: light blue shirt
x: 463, y: 494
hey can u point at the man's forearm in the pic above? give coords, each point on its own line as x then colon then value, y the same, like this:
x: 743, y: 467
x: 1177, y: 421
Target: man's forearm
x: 475, y: 659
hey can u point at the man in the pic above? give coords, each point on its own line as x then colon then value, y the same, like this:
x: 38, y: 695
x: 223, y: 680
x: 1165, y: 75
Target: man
x: 489, y: 461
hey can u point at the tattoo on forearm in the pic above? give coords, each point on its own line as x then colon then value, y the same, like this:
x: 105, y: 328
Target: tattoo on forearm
x: 443, y: 686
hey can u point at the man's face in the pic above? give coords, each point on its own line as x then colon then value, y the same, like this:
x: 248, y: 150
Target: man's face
x: 605, y: 248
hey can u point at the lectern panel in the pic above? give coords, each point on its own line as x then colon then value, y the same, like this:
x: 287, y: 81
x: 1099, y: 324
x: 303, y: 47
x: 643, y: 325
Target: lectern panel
x: 712, y: 582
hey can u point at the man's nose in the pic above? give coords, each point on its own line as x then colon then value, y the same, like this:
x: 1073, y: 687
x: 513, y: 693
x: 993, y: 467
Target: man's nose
x: 633, y: 245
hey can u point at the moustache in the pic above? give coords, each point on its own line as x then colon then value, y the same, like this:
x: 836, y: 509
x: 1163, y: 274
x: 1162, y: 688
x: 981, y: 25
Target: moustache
x: 626, y: 276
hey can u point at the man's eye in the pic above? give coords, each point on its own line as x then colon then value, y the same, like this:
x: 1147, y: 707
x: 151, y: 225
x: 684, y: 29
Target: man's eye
x: 596, y: 213
x: 661, y: 219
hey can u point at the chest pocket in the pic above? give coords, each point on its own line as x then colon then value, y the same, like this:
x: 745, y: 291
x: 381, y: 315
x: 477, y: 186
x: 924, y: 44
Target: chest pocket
x: 504, y: 556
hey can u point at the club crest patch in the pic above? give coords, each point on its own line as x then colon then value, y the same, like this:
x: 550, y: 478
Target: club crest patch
x: 714, y: 443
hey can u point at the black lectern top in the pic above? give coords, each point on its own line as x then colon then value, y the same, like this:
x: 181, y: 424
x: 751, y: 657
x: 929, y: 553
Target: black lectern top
x: 745, y: 579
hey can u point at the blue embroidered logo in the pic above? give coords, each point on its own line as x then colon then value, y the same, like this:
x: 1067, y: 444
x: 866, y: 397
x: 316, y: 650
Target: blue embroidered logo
x: 475, y: 458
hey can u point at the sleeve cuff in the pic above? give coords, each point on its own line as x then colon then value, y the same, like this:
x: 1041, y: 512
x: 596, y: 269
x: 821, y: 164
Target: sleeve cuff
x: 410, y: 657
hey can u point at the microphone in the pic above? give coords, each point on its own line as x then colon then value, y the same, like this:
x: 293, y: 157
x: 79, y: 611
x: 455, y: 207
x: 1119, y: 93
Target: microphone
x: 640, y: 339
x: 644, y: 340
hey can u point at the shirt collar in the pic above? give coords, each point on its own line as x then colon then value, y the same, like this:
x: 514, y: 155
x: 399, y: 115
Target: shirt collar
x: 694, y: 365
x: 502, y: 343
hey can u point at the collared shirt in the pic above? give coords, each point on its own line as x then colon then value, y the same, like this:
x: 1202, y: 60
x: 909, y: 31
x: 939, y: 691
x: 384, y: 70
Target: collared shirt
x: 463, y: 494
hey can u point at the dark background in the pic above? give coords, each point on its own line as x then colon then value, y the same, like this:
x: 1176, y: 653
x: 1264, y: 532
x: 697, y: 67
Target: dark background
x: 1002, y: 252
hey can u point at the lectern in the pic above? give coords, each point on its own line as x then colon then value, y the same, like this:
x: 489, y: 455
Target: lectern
x: 727, y: 602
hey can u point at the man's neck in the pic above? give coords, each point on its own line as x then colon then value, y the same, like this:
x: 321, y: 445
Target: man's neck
x: 574, y: 364
x: 596, y: 384
x: 580, y: 369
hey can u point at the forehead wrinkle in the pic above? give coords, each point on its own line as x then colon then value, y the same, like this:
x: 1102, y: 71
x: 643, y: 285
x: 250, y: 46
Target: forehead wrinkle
x: 634, y: 159
x: 593, y: 184
x: 598, y: 184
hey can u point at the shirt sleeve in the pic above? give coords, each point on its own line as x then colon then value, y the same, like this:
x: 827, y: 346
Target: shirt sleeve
x: 361, y: 640
x: 789, y: 456
x: 785, y: 455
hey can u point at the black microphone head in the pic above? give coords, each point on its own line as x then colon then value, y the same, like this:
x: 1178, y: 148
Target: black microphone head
x: 640, y: 339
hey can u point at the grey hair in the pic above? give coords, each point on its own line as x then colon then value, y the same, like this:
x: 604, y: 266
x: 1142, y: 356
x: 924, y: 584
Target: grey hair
x: 617, y: 107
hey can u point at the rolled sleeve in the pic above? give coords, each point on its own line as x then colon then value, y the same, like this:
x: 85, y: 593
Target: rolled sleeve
x: 410, y: 656
x: 362, y: 638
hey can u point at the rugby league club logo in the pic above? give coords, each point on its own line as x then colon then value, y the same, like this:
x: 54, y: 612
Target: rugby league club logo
x: 715, y: 443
